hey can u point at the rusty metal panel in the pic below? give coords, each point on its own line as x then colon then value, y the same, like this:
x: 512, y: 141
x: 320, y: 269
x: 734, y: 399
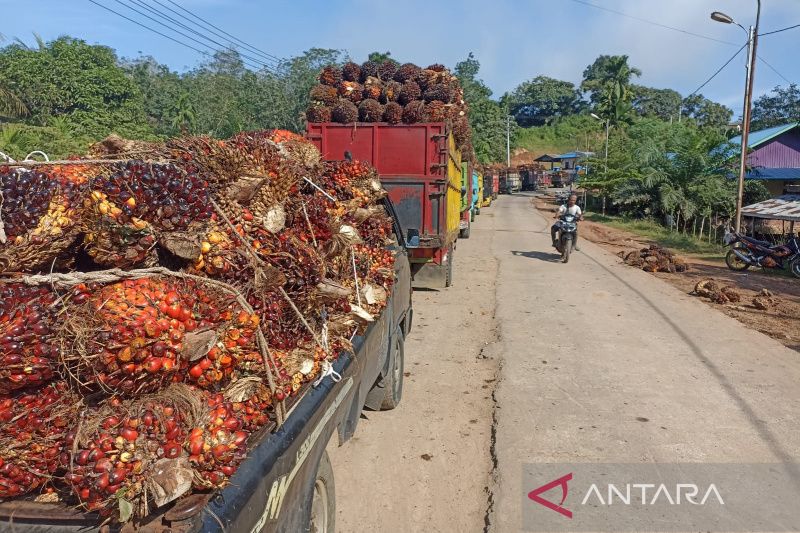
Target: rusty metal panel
x: 786, y: 207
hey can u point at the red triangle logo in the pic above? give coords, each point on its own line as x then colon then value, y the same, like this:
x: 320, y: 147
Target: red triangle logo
x: 562, y: 482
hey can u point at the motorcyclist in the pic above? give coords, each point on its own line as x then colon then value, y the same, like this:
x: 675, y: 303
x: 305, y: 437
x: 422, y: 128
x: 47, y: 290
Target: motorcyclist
x: 573, y: 209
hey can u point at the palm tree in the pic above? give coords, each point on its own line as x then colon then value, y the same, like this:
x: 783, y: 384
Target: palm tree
x: 185, y: 117
x: 11, y: 105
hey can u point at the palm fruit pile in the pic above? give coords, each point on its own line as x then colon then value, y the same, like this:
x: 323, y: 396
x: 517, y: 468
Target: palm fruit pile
x: 393, y: 93
x: 655, y: 258
x: 123, y: 389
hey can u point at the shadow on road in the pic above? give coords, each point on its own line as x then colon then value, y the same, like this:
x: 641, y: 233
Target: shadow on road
x: 541, y: 256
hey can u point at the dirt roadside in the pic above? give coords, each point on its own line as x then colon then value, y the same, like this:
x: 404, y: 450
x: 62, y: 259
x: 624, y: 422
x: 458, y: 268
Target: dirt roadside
x: 781, y: 321
x: 426, y: 465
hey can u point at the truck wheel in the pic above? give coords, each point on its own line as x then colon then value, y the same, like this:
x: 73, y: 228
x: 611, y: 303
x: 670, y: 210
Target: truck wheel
x: 464, y: 233
x: 393, y: 392
x: 448, y: 280
x: 323, y: 499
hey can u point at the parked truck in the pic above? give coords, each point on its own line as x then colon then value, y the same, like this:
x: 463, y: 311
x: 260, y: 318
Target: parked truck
x: 488, y: 190
x: 465, y: 216
x: 286, y: 482
x: 475, y: 207
x: 421, y: 169
x: 481, y: 193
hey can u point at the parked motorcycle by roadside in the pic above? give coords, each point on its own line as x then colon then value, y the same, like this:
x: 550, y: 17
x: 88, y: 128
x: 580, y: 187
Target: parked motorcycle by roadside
x: 746, y: 252
x: 567, y: 228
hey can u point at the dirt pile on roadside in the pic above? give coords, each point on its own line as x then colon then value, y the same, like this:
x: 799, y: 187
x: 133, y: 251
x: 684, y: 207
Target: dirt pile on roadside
x: 654, y: 258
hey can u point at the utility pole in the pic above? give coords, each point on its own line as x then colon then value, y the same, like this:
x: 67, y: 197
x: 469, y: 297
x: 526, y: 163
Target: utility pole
x: 748, y: 99
x: 508, y: 141
x: 752, y: 46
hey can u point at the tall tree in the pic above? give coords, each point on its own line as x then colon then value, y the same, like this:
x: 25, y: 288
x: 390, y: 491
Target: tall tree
x: 486, y: 116
x: 608, y: 82
x: 781, y: 106
x: 651, y: 102
x: 705, y: 112
x: 538, y: 101
x: 609, y: 75
x: 10, y: 104
x: 81, y: 82
x: 381, y: 57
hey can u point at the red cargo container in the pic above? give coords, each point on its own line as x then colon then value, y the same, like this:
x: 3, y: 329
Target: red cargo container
x: 420, y: 168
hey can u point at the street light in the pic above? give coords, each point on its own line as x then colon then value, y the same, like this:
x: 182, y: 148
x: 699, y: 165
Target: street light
x: 752, y: 44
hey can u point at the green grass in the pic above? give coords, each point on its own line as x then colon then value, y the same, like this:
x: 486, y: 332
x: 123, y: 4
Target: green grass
x: 654, y: 231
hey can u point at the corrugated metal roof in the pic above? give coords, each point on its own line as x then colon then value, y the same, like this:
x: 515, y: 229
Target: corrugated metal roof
x: 786, y: 207
x: 761, y: 173
x: 761, y: 136
x: 575, y: 155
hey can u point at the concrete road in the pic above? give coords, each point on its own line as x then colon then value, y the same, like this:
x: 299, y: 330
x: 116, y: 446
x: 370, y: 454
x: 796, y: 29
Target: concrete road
x: 605, y: 363
x: 598, y: 362
x: 426, y: 466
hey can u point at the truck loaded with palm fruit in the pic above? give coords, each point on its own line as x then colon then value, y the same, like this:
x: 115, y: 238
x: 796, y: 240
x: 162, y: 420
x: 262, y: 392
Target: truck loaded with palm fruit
x: 181, y: 334
x: 411, y: 124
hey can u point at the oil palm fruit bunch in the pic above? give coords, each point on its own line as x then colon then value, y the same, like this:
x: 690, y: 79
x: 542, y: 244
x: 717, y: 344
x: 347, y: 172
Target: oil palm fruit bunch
x: 161, y: 194
x: 373, y: 91
x: 345, y: 112
x: 330, y: 75
x: 406, y: 72
x: 414, y: 112
x: 426, y: 78
x: 319, y: 113
x: 129, y: 439
x: 351, y: 72
x: 387, y: 70
x: 235, y: 348
x: 351, y: 90
x: 369, y: 69
x: 437, y: 67
x: 216, y: 251
x: 33, y: 430
x: 393, y: 113
x: 391, y: 92
x: 217, y: 447
x: 29, y: 350
x: 324, y: 94
x: 461, y: 130
x: 435, y: 111
x: 40, y: 211
x: 438, y: 91
x: 142, y: 334
x: 409, y: 92
x: 370, y: 111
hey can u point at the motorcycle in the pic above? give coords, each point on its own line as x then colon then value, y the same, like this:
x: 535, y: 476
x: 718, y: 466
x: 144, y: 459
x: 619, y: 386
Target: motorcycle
x: 567, y: 228
x: 746, y: 252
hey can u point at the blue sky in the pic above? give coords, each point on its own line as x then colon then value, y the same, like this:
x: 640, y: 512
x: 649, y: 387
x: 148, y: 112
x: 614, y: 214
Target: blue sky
x: 514, y: 40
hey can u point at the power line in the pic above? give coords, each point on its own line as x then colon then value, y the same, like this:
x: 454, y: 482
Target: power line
x: 687, y: 32
x: 720, y: 69
x: 257, y: 66
x: 201, y: 35
x: 151, y: 29
x: 780, y: 30
x: 245, y: 45
x: 774, y: 70
x: 209, y: 24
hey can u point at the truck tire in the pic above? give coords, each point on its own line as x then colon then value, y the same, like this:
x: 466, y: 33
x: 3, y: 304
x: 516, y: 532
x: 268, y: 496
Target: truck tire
x: 393, y: 388
x: 322, y: 514
x: 464, y: 233
x: 448, y: 280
